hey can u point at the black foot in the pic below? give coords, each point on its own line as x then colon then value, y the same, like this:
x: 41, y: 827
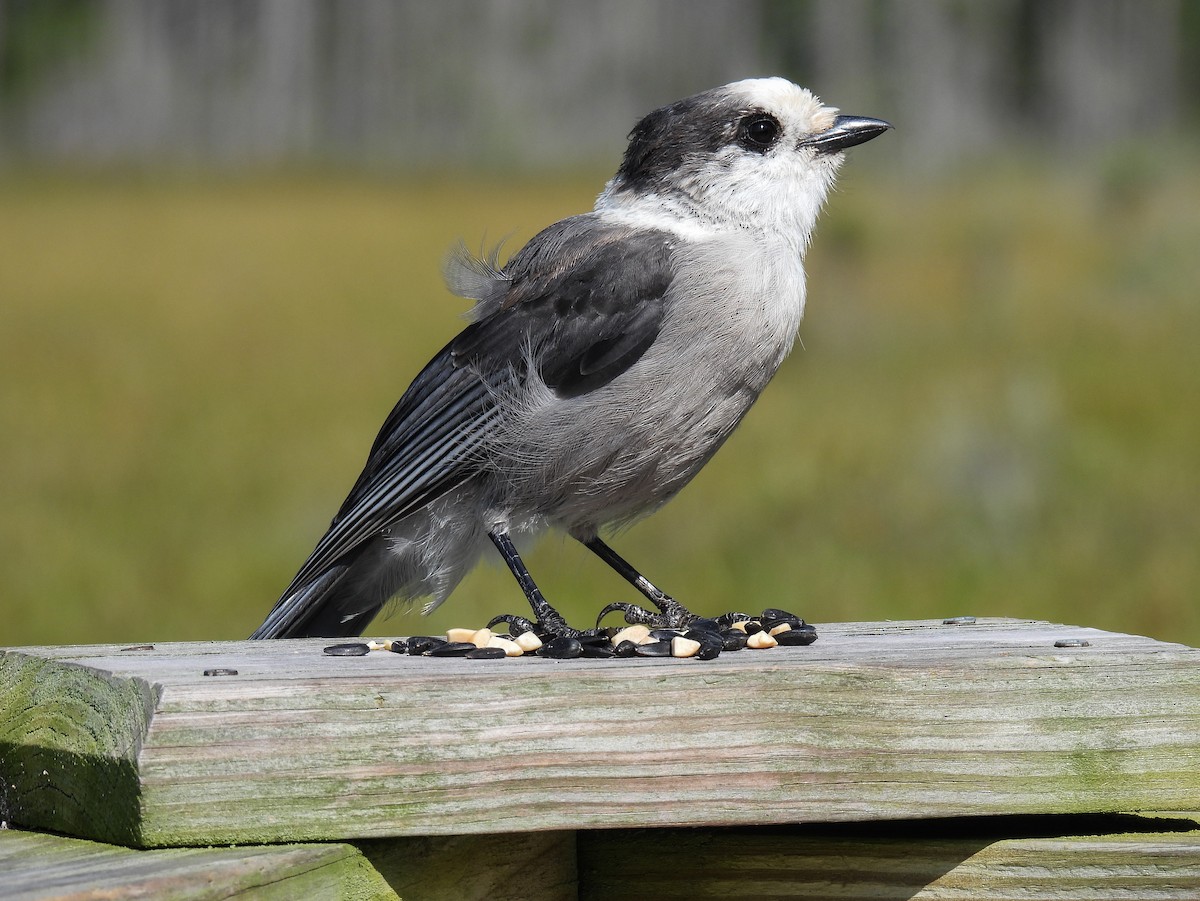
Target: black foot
x: 549, y: 626
x: 671, y: 615
x: 633, y: 614
x: 549, y: 622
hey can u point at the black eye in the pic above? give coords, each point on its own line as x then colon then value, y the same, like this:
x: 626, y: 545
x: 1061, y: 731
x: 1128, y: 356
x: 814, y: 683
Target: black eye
x: 759, y: 132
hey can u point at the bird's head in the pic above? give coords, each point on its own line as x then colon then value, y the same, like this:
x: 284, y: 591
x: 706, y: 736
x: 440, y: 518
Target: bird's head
x: 760, y: 153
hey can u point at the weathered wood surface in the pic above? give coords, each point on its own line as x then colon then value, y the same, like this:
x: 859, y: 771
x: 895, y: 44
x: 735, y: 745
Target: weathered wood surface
x: 874, y: 721
x: 807, y: 865
x: 514, y: 866
x: 35, y: 867
x: 973, y: 860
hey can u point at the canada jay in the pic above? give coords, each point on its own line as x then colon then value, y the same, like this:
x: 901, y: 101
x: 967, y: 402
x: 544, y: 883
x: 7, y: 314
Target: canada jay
x: 605, y: 363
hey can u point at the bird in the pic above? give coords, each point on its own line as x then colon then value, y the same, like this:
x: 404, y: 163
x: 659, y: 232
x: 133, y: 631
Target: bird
x: 603, y: 365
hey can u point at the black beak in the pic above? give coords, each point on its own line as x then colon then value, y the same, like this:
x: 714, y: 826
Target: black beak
x: 846, y: 132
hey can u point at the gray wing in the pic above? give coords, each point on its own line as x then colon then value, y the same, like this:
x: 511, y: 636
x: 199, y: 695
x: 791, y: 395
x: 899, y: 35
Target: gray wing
x: 582, y: 298
x: 426, y: 447
x: 587, y: 297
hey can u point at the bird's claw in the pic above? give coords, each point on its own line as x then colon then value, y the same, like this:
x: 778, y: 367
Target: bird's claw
x: 671, y: 615
x: 547, y: 627
x: 633, y: 614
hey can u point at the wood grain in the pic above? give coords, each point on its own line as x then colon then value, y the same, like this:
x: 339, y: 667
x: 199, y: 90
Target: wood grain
x: 800, y: 865
x: 874, y: 721
x: 42, y: 867
x: 514, y: 866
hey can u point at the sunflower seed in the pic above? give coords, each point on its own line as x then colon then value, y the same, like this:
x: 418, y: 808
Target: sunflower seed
x: 636, y: 634
x: 423, y: 644
x: 453, y: 649
x: 507, y: 645
x: 761, y: 640
x: 564, y: 647
x: 684, y: 647
x: 528, y: 642
x: 352, y: 649
x: 805, y: 635
x: 654, y: 649
x: 485, y: 653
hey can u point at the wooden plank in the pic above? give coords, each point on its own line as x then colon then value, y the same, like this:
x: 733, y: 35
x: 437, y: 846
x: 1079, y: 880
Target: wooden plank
x: 874, y: 721
x: 517, y: 866
x: 39, y: 867
x: 806, y: 865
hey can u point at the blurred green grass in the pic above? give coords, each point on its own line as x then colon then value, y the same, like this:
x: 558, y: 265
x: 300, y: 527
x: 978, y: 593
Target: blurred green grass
x: 995, y: 410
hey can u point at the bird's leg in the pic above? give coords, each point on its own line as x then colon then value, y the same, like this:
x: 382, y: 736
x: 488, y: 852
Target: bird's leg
x: 671, y: 615
x: 548, y: 619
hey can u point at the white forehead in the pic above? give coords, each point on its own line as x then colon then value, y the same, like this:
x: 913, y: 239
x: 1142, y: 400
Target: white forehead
x: 791, y: 103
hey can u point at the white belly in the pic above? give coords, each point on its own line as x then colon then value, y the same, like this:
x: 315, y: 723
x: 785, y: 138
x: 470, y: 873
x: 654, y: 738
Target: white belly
x: 621, y: 451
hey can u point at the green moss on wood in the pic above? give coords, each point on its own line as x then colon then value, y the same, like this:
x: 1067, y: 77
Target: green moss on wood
x: 40, y: 866
x: 69, y: 743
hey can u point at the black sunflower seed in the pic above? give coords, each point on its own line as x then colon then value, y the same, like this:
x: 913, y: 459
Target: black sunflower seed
x: 728, y: 619
x: 665, y: 634
x: 485, y: 654
x: 423, y: 644
x: 626, y: 649
x: 595, y: 638
x: 733, y: 639
x: 711, y: 643
x: 599, y: 651
x: 776, y: 613
x: 351, y: 649
x: 564, y: 647
x: 452, y: 649
x: 804, y: 635
x: 655, y: 649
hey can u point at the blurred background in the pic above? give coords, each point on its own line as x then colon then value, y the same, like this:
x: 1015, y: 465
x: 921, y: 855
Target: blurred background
x: 221, y: 227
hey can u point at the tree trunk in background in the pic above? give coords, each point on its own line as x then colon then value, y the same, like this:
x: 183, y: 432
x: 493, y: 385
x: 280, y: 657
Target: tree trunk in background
x: 845, y: 52
x: 539, y: 82
x: 951, y: 65
x: 1110, y: 68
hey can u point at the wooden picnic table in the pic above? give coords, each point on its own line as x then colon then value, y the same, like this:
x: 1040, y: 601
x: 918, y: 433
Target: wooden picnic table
x: 962, y: 759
